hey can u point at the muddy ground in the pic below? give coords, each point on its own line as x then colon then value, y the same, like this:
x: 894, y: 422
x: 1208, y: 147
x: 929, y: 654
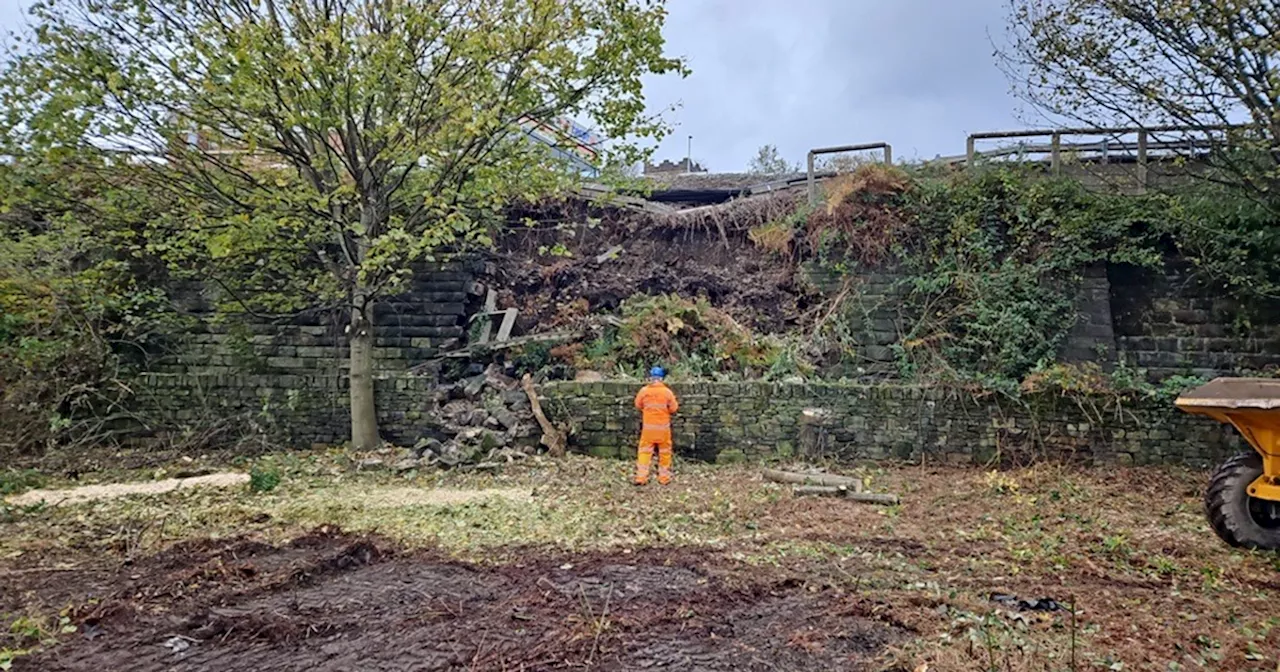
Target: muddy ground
x: 562, y: 564
x: 333, y: 601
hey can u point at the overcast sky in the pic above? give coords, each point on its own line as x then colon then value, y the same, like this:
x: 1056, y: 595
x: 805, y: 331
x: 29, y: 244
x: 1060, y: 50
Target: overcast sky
x: 918, y: 74
x: 799, y: 74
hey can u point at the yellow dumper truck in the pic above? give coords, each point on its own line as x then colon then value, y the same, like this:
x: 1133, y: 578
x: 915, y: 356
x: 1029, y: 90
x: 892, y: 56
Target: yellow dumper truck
x: 1243, y: 498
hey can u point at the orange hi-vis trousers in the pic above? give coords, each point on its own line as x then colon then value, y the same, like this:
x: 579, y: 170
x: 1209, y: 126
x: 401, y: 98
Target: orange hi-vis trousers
x: 656, y: 403
x: 650, y: 439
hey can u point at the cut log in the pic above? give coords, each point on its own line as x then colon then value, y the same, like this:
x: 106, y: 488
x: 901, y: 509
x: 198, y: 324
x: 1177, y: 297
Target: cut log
x: 552, y: 437
x: 550, y: 337
x: 813, y: 479
x: 886, y: 499
x: 843, y: 492
x: 820, y: 491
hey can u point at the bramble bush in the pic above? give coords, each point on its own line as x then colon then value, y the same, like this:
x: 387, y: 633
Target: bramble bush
x: 77, y: 313
x: 991, y: 259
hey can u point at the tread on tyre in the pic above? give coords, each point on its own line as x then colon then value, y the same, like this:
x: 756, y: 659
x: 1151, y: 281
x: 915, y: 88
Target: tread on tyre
x: 1237, y: 518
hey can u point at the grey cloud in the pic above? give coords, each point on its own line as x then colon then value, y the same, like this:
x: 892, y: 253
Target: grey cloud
x: 807, y: 73
x: 918, y: 74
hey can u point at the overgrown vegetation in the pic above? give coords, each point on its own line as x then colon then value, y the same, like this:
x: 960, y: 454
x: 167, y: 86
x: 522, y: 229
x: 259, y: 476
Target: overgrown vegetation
x: 77, y: 315
x: 315, y: 151
x: 988, y: 263
x: 993, y: 263
x: 689, y: 336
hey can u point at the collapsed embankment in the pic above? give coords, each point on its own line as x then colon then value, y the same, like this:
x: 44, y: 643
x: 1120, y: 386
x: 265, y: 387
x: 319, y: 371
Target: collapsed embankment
x: 999, y: 298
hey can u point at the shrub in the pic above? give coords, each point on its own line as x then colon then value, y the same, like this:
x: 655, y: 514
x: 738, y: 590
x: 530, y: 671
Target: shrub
x: 263, y: 479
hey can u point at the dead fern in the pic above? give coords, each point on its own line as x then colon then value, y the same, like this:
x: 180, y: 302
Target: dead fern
x: 863, y: 216
x: 775, y: 237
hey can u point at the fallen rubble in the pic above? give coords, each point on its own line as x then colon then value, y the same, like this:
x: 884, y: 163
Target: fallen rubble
x: 481, y: 421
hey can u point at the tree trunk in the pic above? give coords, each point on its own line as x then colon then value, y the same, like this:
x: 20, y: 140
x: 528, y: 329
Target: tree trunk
x: 364, y: 415
x: 842, y: 492
x: 552, y: 437
x: 828, y: 480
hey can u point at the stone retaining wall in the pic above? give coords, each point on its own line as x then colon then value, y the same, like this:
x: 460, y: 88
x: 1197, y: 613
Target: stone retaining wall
x: 734, y: 421
x: 409, y: 328
x: 300, y: 410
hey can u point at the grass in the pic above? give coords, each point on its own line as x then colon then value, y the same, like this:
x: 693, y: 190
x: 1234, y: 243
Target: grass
x: 17, y: 481
x: 1128, y: 549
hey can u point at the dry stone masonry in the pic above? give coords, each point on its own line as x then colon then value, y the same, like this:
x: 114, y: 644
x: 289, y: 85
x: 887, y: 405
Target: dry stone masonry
x: 725, y: 422
x: 288, y: 380
x: 410, y: 328
x: 718, y: 422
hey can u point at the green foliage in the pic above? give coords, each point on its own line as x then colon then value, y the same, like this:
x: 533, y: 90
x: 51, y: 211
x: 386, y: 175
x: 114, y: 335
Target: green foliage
x: 335, y: 145
x: 768, y: 161
x: 991, y: 262
x: 15, y: 481
x: 1089, y: 380
x: 533, y: 357
x: 363, y: 137
x: 688, y: 337
x: 27, y: 634
x: 76, y: 313
x: 1230, y: 237
x: 263, y: 479
x: 239, y: 346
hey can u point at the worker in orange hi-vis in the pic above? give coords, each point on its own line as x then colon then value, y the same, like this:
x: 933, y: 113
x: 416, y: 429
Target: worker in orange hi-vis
x: 656, y: 403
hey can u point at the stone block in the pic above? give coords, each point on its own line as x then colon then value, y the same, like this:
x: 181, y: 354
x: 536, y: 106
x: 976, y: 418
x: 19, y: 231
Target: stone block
x: 287, y: 363
x: 730, y: 457
x: 609, y: 451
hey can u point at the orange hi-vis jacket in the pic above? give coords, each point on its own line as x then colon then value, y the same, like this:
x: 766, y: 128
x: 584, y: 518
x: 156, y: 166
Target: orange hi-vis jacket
x: 656, y: 403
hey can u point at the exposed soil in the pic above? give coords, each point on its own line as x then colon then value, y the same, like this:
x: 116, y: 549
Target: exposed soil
x: 332, y: 601
x: 725, y: 571
x: 757, y: 288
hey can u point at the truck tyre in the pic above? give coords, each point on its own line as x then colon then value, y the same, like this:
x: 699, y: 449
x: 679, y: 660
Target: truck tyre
x: 1237, y: 518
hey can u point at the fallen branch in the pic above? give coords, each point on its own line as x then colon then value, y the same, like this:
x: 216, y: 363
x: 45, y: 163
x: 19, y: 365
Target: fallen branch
x: 608, y: 254
x: 481, y: 466
x: 831, y: 480
x: 552, y: 437
x: 845, y: 493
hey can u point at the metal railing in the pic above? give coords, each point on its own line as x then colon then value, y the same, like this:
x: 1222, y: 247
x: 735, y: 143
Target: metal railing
x: 1143, y: 147
x: 813, y: 183
x: 1141, y: 151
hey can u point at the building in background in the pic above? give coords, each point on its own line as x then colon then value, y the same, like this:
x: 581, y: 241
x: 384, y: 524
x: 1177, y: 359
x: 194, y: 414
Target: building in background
x: 569, y: 141
x: 667, y: 167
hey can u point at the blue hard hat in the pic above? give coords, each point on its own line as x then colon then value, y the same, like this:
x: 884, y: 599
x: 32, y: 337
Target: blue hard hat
x: 657, y: 372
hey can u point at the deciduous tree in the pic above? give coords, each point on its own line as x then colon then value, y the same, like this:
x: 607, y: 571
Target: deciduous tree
x: 768, y: 161
x: 1196, y: 63
x: 318, y: 148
